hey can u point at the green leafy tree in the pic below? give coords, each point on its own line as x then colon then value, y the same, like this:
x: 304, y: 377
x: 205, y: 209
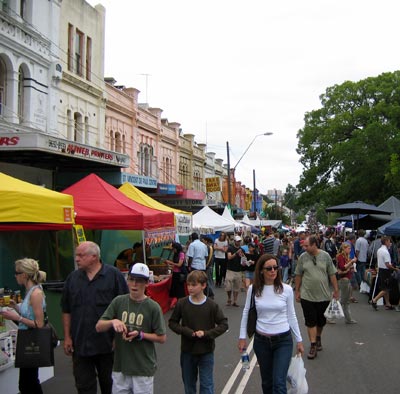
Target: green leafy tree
x: 349, y: 147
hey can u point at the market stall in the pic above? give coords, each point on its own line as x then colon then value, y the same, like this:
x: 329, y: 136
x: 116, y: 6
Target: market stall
x: 100, y: 206
x: 209, y: 221
x: 30, y: 215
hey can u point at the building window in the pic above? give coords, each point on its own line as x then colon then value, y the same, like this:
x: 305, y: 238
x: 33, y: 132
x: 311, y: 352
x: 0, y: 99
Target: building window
x: 78, y: 52
x: 70, y: 47
x: 3, y: 74
x: 86, y: 141
x: 197, y: 181
x: 22, y: 9
x: 184, y: 175
x: 145, y: 160
x: 21, y: 97
x: 112, y: 145
x: 78, y: 127
x: 88, y: 58
x: 118, y: 142
x: 70, y: 125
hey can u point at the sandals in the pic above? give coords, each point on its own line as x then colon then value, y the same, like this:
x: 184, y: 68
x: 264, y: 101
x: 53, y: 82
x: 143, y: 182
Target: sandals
x: 389, y: 307
x: 234, y: 304
x: 229, y: 303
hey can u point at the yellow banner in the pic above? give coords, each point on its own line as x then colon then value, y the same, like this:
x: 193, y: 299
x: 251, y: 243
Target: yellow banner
x: 213, y: 185
x: 80, y: 233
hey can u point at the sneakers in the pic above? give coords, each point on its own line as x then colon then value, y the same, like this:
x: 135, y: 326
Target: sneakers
x: 374, y: 306
x: 319, y: 344
x: 331, y: 321
x: 351, y: 321
x: 397, y: 308
x: 313, y: 352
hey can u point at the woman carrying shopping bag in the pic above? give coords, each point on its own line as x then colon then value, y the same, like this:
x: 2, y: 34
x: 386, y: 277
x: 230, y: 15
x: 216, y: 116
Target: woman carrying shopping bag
x: 29, y: 314
x: 276, y: 320
x: 345, y: 272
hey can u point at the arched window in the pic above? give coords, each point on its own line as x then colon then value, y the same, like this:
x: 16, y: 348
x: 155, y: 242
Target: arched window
x: 146, y: 160
x: 3, y: 78
x: 118, y: 142
x: 112, y: 145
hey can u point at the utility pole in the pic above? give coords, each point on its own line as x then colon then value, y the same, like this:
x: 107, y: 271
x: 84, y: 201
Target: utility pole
x: 229, y: 175
x: 254, y: 194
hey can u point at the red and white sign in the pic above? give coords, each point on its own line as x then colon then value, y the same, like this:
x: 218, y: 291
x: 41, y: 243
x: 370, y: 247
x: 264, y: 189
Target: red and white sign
x: 47, y: 143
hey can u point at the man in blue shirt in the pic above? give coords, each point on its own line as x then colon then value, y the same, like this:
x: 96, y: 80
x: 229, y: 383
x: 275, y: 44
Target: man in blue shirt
x: 197, y: 253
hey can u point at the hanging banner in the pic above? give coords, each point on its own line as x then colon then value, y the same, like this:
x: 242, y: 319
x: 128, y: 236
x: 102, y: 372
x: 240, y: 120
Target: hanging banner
x: 183, y: 224
x: 159, y: 237
x: 79, y: 233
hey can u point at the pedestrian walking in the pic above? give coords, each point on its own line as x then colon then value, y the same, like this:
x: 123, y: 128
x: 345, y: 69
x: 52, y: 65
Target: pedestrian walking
x: 138, y: 323
x: 87, y: 293
x: 345, y: 272
x: 220, y: 249
x: 29, y: 314
x: 276, y: 319
x: 314, y: 270
x: 199, y: 320
x: 385, y: 268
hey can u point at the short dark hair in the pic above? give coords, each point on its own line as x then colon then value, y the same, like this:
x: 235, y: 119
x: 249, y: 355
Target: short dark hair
x: 197, y: 276
x: 194, y: 236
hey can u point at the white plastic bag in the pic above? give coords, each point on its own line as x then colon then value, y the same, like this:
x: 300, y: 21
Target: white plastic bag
x: 334, y: 310
x: 297, y: 376
x: 364, y: 287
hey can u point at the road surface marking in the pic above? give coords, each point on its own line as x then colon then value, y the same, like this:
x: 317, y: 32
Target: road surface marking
x: 235, y: 374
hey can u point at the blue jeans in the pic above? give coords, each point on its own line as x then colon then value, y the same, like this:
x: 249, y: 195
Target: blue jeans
x: 273, y: 356
x: 360, y: 274
x: 202, y: 365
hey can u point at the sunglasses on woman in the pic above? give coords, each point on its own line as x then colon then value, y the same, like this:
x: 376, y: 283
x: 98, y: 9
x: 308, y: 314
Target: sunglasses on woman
x: 273, y: 267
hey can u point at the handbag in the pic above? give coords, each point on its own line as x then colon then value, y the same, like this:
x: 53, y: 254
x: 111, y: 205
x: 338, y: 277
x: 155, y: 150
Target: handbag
x: 252, y: 316
x: 34, y: 348
x: 55, y: 341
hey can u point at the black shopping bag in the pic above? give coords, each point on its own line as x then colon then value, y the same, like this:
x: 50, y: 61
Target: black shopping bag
x: 34, y: 348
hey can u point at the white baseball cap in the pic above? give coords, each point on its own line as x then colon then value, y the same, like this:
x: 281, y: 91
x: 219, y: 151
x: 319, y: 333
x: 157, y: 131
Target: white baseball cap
x: 237, y: 238
x: 140, y: 270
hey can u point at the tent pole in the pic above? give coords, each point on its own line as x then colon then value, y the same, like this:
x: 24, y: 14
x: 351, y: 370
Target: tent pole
x: 144, y: 248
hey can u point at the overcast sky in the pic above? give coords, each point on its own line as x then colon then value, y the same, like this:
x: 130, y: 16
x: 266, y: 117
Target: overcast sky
x: 227, y: 70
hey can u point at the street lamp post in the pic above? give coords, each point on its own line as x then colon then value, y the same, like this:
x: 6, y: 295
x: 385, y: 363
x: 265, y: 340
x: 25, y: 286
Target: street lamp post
x: 241, y: 157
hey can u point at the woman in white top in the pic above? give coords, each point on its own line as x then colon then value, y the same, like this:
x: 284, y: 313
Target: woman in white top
x: 276, y: 320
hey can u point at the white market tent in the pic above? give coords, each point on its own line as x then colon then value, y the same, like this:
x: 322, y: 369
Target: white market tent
x: 238, y: 225
x: 206, y: 221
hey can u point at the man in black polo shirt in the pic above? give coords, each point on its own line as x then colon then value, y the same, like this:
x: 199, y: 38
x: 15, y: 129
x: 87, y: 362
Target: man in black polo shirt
x: 233, y: 278
x: 86, y: 295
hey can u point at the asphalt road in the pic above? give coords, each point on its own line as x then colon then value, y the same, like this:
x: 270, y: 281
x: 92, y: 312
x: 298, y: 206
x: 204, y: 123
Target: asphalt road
x: 357, y: 359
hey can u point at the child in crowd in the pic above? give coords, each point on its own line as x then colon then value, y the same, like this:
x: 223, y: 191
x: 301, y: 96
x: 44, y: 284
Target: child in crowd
x: 199, y: 320
x: 138, y: 322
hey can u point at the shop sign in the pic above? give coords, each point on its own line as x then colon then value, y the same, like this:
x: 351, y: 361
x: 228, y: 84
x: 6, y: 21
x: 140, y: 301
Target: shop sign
x: 164, y: 188
x: 44, y: 142
x: 213, y: 185
x: 138, y: 180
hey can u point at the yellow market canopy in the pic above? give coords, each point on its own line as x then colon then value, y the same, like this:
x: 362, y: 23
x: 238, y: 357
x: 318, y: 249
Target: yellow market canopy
x: 183, y: 219
x: 27, y: 206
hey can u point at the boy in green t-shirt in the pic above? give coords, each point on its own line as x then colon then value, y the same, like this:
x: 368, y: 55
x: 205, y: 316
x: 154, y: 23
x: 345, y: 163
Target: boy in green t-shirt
x: 199, y: 320
x: 138, y: 322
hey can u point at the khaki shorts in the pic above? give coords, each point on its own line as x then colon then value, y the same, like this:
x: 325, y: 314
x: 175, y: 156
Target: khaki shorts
x: 233, y: 281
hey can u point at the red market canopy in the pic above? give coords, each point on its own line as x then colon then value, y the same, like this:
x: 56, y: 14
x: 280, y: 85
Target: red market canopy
x: 100, y: 206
